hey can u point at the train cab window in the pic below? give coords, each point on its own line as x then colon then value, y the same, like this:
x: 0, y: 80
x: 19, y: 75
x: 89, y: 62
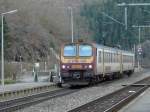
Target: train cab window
x: 85, y: 50
x: 70, y: 50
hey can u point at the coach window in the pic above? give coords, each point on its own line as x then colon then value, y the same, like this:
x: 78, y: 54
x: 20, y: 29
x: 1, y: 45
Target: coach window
x: 104, y: 58
x: 115, y: 57
x: 123, y: 58
x: 99, y: 57
x: 108, y: 58
x: 111, y: 57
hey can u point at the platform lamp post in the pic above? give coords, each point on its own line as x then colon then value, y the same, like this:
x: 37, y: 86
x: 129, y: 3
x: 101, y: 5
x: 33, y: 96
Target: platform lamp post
x: 2, y: 44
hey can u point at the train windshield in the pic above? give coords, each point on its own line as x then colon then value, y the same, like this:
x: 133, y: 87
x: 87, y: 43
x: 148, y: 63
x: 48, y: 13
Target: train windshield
x: 70, y: 50
x: 85, y: 50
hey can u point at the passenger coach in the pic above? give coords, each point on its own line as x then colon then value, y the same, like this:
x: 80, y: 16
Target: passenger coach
x: 82, y: 63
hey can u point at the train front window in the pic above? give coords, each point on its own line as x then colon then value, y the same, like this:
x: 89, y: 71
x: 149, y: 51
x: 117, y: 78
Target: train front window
x: 70, y: 50
x: 85, y: 50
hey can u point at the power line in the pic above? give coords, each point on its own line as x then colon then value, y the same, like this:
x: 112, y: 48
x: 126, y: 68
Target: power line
x: 113, y: 19
x: 134, y: 4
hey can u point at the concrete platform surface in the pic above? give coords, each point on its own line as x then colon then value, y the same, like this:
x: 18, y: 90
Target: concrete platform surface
x: 140, y: 104
x: 20, y: 86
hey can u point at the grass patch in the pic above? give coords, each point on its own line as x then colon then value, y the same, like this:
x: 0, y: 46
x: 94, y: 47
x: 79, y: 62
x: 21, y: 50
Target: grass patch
x: 9, y: 81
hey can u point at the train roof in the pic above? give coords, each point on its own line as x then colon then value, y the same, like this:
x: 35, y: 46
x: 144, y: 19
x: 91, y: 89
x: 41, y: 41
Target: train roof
x: 113, y: 49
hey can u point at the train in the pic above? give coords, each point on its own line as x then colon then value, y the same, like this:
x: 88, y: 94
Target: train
x: 82, y: 63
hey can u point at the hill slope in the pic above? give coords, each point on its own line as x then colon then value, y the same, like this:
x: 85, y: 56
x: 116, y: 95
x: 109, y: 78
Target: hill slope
x: 37, y: 26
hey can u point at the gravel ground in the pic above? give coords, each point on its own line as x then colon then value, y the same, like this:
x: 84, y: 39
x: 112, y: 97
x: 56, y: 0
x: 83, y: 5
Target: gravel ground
x: 68, y: 102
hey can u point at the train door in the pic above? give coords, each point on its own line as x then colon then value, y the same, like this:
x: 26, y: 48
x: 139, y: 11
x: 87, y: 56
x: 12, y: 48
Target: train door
x: 121, y: 63
x: 99, y: 61
x: 103, y: 66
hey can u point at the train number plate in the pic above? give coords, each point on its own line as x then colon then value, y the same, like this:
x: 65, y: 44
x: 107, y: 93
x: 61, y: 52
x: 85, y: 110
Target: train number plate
x: 76, y: 66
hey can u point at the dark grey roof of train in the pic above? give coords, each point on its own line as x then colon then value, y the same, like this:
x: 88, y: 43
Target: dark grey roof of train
x: 112, y: 49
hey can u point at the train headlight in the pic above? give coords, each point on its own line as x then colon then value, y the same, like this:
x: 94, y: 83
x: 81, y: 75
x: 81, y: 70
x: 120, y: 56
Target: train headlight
x: 90, y: 66
x: 63, y: 66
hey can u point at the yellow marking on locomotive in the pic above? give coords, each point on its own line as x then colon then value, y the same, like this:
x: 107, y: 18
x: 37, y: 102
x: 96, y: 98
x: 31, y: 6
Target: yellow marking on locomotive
x: 79, y: 60
x: 76, y: 66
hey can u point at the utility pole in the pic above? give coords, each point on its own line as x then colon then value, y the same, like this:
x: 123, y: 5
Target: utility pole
x: 125, y: 5
x: 139, y: 46
x: 72, y: 24
x: 126, y: 18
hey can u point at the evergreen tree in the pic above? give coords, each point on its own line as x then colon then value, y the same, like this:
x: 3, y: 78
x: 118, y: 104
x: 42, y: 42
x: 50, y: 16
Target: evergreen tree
x: 7, y: 38
x: 110, y: 33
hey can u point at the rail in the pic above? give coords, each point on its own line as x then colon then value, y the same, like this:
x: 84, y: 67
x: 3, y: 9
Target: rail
x: 116, y: 100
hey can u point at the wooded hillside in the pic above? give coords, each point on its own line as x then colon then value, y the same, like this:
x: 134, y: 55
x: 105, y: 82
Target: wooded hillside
x: 41, y: 24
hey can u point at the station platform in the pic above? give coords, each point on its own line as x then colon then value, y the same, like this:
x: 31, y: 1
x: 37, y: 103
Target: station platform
x: 140, y: 104
x: 23, y: 86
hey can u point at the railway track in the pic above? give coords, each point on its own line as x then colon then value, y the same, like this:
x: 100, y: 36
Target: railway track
x: 23, y: 102
x: 20, y: 103
x: 116, y: 100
